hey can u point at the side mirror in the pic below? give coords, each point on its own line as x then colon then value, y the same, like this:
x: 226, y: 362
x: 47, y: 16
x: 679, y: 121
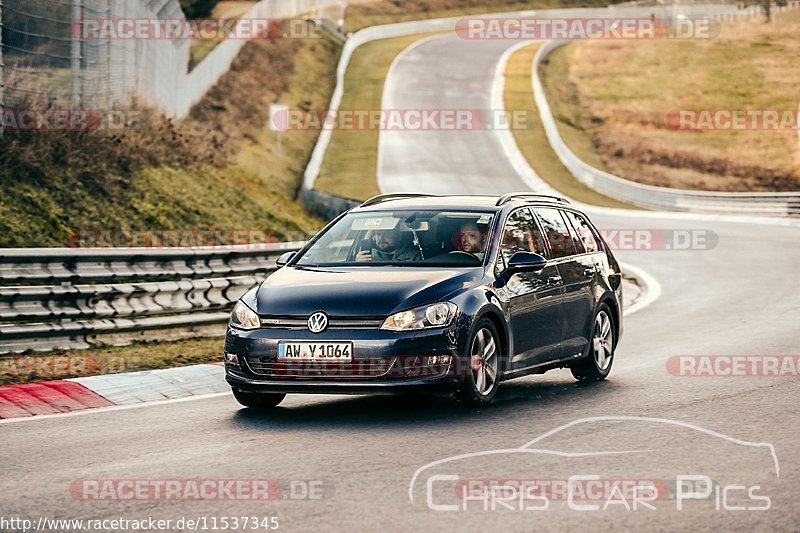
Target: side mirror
x: 285, y: 258
x: 525, y: 262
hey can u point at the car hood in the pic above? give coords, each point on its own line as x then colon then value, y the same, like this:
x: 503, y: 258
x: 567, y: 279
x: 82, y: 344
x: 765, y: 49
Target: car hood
x: 358, y: 291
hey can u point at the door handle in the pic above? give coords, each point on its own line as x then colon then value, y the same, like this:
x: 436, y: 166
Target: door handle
x: 554, y: 280
x: 588, y: 273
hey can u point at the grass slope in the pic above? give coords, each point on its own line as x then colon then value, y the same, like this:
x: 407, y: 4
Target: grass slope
x: 613, y: 99
x: 217, y: 170
x: 532, y: 139
x: 351, y: 160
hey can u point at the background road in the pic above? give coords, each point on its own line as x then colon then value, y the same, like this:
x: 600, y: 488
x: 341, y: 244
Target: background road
x: 738, y: 298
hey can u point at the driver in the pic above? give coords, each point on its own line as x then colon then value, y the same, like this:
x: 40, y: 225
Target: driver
x: 471, y: 239
x: 389, y: 247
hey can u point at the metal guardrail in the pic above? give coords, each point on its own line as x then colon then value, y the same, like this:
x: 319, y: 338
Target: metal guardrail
x: 326, y: 205
x: 649, y: 196
x: 331, y: 29
x: 74, y: 298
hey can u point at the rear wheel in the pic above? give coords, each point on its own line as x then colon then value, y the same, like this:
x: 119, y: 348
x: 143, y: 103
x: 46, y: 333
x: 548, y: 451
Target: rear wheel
x: 256, y: 400
x: 597, y: 365
x: 482, y: 379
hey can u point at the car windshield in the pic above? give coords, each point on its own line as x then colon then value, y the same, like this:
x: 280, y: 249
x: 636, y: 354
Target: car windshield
x: 403, y: 238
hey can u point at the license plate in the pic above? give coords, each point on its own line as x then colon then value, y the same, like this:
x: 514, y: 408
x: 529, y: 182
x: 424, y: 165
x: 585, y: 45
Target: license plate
x: 334, y: 352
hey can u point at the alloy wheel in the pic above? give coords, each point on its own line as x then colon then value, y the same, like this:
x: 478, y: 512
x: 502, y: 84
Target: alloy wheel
x: 484, y: 361
x: 602, y: 343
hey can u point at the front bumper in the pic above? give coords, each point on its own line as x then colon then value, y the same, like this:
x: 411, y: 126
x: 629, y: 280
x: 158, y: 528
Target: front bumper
x: 383, y: 362
x: 444, y: 385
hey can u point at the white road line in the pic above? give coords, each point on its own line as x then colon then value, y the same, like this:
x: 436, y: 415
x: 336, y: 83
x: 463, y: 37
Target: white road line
x: 388, y: 103
x: 651, y: 289
x: 510, y: 147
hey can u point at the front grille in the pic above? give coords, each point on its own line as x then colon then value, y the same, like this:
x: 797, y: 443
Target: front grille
x: 235, y: 344
x: 373, y: 368
x: 301, y: 322
x: 364, y: 368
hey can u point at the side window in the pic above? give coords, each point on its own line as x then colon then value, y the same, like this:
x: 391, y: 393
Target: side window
x: 585, y: 233
x: 573, y: 233
x: 521, y: 235
x: 555, y: 227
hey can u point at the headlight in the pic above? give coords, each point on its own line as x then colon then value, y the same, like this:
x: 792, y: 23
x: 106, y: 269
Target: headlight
x: 430, y: 316
x: 243, y: 317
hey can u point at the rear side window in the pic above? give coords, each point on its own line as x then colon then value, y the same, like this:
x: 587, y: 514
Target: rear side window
x: 584, y: 231
x: 521, y: 234
x: 557, y: 232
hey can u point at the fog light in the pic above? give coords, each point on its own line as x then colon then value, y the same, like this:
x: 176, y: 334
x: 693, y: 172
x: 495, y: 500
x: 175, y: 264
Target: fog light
x: 232, y: 358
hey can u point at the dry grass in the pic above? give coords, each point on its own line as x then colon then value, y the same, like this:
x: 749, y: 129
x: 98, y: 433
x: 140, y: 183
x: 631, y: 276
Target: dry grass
x: 370, y: 13
x: 232, y: 10
x: 532, y: 140
x: 238, y: 104
x: 32, y: 367
x: 216, y: 170
x: 613, y: 98
x: 311, y: 87
x: 351, y: 160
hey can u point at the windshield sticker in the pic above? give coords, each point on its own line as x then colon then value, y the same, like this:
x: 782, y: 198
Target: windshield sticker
x: 485, y: 219
x: 375, y: 223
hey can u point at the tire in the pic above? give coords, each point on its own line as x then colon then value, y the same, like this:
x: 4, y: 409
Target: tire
x: 483, y: 371
x: 256, y: 400
x: 597, y: 363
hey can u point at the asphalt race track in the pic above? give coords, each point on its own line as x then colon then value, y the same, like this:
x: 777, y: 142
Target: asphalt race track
x: 739, y: 297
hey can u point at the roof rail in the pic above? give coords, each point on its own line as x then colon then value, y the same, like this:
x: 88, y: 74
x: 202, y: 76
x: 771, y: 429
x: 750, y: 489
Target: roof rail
x: 386, y: 197
x: 514, y: 195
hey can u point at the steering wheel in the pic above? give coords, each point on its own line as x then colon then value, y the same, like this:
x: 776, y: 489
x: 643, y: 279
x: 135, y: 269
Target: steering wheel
x: 470, y: 254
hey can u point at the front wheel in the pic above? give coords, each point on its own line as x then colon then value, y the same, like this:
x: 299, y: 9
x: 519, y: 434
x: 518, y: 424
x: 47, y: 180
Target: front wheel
x: 597, y: 365
x: 482, y: 379
x: 256, y: 400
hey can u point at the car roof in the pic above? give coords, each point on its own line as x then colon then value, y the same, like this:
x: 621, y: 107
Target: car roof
x: 477, y: 202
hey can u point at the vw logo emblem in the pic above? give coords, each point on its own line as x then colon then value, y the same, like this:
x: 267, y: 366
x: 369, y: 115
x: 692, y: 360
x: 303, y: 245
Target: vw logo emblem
x: 318, y: 322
